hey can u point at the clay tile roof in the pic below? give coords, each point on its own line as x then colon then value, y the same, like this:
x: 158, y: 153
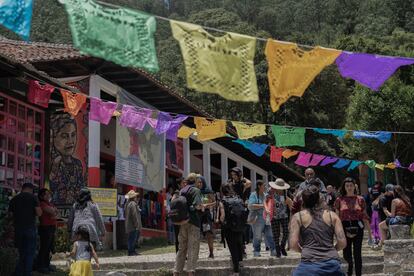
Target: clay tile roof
x: 32, y: 52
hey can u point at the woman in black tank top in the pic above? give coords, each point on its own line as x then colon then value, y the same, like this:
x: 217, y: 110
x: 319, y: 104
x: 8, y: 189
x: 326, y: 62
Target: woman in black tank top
x: 312, y: 234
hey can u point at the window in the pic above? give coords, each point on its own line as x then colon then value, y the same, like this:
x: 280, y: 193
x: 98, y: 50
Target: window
x: 21, y: 143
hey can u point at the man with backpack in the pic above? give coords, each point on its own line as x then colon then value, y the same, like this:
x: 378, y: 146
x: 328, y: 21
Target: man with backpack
x: 184, y: 211
x: 241, y: 187
x: 233, y: 216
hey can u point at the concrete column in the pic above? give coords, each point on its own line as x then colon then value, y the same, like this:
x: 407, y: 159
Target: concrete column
x: 253, y: 179
x: 224, y: 168
x: 186, y: 156
x: 206, y: 164
x: 94, y: 140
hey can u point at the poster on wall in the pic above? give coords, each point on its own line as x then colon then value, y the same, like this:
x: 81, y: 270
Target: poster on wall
x: 174, y: 155
x: 68, y: 156
x: 140, y: 155
x: 106, y: 199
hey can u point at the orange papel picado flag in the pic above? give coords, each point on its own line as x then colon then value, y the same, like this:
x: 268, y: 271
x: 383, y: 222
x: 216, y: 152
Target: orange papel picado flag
x: 185, y: 132
x: 292, y: 69
x: 209, y: 129
x: 73, y: 102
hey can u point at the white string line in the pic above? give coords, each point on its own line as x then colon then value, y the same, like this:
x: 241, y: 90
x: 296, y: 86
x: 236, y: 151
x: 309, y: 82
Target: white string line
x: 223, y: 31
x: 213, y: 118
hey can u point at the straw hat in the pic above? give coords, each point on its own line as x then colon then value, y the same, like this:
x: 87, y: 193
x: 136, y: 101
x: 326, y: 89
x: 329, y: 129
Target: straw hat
x: 131, y: 194
x: 279, y: 184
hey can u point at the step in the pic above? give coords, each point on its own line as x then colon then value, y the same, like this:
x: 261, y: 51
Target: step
x: 374, y: 269
x: 132, y: 263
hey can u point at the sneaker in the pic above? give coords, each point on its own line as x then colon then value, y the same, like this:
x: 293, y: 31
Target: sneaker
x: 283, y: 251
x: 256, y: 254
x: 278, y: 253
x: 211, y: 256
x: 370, y: 242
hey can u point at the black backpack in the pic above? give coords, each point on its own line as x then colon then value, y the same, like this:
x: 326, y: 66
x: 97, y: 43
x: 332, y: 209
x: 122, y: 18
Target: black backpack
x: 179, y: 209
x: 235, y: 214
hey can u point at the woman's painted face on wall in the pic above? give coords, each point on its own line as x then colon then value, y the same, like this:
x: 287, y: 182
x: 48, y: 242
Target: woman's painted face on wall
x: 65, y: 140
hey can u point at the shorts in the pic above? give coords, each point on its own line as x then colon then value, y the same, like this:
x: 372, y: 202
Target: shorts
x: 398, y: 220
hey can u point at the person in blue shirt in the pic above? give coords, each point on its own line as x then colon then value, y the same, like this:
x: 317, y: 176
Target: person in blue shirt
x: 258, y: 220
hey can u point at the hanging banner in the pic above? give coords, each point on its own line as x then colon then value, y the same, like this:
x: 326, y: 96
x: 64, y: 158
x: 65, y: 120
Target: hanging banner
x: 174, y: 155
x: 140, y: 155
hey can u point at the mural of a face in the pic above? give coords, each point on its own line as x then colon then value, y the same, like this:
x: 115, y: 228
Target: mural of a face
x: 65, y: 140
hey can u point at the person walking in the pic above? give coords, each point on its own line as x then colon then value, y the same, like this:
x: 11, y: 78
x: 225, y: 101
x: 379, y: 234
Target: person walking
x: 83, y: 251
x: 24, y: 208
x: 133, y: 224
x: 352, y: 211
x: 181, y: 183
x: 260, y: 220
x: 277, y: 206
x: 170, y: 224
x: 309, y: 176
x: 47, y: 229
x: 330, y: 197
x: 207, y: 216
x: 375, y: 217
x: 385, y: 202
x: 233, y: 217
x: 189, y: 236
x: 312, y: 232
x: 241, y: 186
x: 401, y: 212
x: 86, y: 213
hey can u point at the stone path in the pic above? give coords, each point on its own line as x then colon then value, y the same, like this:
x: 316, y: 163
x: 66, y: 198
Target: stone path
x: 150, y: 264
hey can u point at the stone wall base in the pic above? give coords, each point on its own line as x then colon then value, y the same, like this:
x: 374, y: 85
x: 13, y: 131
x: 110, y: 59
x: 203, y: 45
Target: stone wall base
x: 399, y: 257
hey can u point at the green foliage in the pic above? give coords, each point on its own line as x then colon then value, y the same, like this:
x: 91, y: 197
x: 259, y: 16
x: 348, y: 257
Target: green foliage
x: 62, y: 240
x: 8, y: 259
x: 156, y: 242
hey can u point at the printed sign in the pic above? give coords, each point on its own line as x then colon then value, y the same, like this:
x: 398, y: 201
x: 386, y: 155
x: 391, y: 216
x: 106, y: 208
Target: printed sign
x: 106, y: 199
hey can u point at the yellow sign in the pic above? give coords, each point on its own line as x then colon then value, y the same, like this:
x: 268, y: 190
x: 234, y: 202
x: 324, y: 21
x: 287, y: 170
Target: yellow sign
x: 106, y: 199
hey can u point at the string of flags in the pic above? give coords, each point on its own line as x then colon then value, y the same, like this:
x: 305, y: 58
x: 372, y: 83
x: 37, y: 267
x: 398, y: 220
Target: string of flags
x: 207, y: 129
x: 221, y: 65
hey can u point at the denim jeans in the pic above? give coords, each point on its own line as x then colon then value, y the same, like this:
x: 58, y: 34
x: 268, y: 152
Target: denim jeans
x: 25, y: 240
x: 133, y: 236
x: 330, y: 267
x: 258, y: 227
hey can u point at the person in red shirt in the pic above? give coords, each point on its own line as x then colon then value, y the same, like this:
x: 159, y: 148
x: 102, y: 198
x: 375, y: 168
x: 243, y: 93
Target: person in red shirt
x: 47, y: 229
x: 351, y: 210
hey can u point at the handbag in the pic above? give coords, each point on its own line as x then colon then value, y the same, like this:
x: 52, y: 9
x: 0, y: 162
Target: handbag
x: 253, y: 215
x: 352, y: 228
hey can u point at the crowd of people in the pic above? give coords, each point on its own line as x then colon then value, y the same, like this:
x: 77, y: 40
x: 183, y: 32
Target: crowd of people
x: 310, y: 218
x: 85, y: 226
x: 317, y: 220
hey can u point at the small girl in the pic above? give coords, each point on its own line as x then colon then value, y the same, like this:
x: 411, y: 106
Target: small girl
x: 82, y: 252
